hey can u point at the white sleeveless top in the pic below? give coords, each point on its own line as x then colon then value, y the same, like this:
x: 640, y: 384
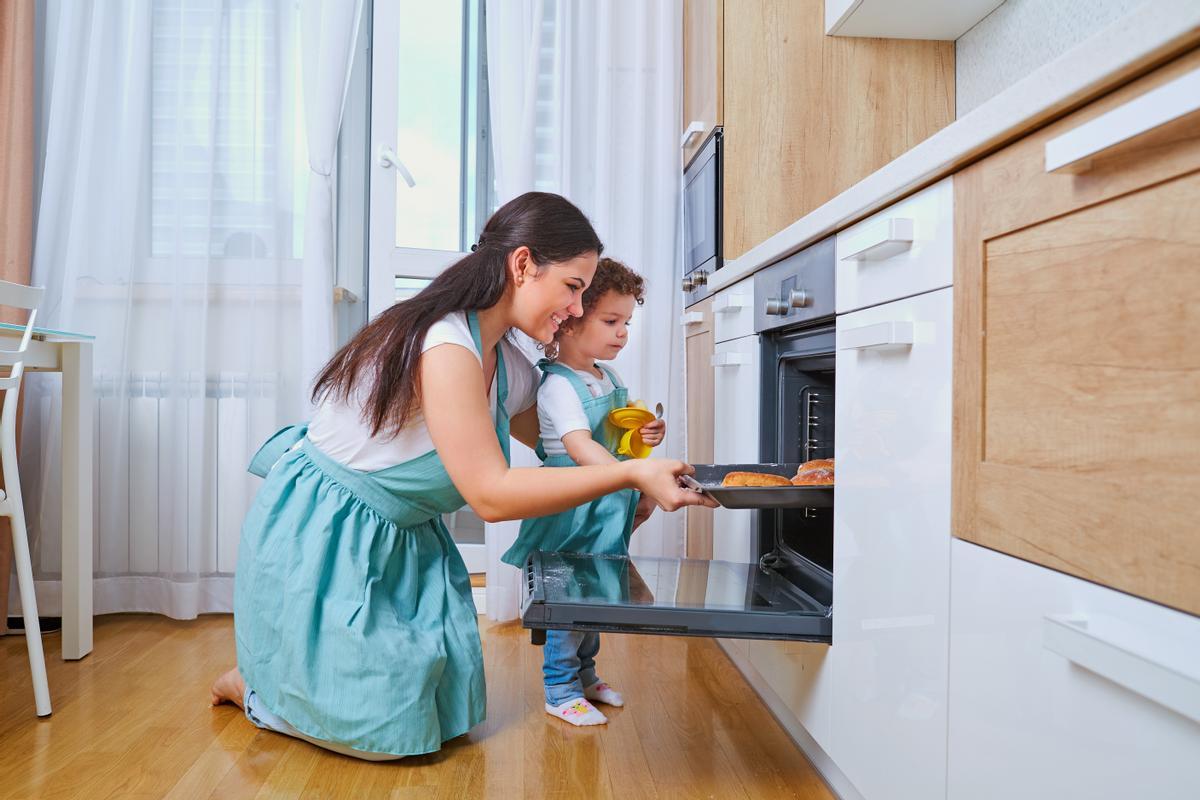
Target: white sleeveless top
x: 339, y: 431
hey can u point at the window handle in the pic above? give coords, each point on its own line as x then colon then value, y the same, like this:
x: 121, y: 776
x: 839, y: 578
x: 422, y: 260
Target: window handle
x: 388, y: 158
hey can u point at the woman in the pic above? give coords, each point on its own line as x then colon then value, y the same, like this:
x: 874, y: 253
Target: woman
x: 352, y: 608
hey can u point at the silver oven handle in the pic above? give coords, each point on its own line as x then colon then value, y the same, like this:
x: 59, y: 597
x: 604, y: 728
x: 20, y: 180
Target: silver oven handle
x: 1072, y: 152
x: 880, y: 336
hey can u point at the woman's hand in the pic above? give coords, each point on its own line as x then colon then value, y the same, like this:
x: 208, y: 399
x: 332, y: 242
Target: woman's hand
x: 653, y: 433
x: 658, y: 479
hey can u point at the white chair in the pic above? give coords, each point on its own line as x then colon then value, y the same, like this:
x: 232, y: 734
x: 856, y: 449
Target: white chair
x: 27, y: 297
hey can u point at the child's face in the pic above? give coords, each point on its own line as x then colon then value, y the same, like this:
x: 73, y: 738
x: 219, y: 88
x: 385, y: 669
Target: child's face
x: 544, y: 298
x: 604, y: 331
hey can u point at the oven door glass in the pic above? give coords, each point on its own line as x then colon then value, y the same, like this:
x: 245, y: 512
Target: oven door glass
x: 681, y: 597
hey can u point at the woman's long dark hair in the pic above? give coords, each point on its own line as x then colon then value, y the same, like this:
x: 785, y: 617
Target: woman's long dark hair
x: 385, y: 353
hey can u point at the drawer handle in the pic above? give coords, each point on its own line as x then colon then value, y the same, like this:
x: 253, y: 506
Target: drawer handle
x: 694, y: 128
x: 691, y: 318
x: 1080, y: 641
x: 880, y: 240
x: 880, y: 336
x: 730, y: 359
x: 1072, y: 152
x: 725, y: 304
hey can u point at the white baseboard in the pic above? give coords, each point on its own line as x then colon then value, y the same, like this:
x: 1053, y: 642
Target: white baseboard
x: 837, y: 781
x: 479, y: 594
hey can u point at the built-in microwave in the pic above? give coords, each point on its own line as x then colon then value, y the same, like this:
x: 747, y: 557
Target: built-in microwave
x: 702, y: 218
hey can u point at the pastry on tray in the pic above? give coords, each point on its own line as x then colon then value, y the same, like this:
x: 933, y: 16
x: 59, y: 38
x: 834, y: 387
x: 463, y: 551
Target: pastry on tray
x: 754, y: 479
x: 818, y: 472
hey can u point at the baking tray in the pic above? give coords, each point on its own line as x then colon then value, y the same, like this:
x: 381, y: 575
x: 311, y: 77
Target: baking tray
x: 708, y: 479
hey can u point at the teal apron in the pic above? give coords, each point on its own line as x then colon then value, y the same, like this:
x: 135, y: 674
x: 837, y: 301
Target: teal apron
x: 602, y: 526
x: 352, y: 606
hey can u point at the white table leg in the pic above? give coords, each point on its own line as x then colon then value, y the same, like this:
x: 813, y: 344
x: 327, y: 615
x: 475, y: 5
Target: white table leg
x: 77, y: 409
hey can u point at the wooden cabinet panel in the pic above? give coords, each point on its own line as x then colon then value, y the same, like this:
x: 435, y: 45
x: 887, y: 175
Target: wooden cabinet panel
x: 1077, y: 375
x: 700, y: 393
x: 807, y: 115
x: 702, y: 69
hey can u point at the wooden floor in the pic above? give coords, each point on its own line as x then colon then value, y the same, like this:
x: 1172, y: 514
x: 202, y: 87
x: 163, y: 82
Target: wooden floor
x: 132, y: 720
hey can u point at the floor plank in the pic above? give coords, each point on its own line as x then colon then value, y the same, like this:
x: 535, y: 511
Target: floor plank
x: 132, y: 721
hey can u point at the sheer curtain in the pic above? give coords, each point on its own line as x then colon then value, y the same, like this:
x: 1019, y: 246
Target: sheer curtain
x: 585, y: 101
x: 174, y: 184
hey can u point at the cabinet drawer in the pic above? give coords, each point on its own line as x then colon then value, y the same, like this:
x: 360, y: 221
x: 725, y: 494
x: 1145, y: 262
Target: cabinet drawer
x: 1143, y: 133
x: 1039, y: 710
x: 905, y: 250
x: 733, y: 311
x: 1077, y: 376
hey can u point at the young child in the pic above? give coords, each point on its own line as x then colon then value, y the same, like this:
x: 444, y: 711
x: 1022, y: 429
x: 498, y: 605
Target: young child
x: 574, y: 399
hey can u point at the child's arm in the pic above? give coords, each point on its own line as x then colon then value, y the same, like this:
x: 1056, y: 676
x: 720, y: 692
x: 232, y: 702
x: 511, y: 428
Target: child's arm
x: 586, y: 451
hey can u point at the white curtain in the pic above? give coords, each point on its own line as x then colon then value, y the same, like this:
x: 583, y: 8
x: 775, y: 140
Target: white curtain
x: 585, y: 101
x: 175, y: 145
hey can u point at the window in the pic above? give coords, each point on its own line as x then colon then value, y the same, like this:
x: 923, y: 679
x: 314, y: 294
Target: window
x: 229, y: 171
x: 441, y: 125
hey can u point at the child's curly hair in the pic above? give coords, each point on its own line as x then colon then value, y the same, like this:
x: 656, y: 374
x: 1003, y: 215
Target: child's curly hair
x: 611, y: 276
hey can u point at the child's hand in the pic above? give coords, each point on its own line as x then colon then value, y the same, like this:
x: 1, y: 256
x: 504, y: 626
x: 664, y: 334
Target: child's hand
x: 653, y: 433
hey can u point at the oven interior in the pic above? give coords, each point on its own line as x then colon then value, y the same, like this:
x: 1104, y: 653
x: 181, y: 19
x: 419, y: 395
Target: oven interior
x: 797, y: 426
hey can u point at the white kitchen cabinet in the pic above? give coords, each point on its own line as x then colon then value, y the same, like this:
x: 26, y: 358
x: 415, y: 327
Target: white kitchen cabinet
x: 892, y: 547
x: 735, y: 436
x: 733, y: 311
x: 1048, y: 682
x: 904, y: 250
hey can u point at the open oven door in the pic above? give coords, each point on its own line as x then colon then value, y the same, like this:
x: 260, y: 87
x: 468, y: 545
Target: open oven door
x: 680, y: 597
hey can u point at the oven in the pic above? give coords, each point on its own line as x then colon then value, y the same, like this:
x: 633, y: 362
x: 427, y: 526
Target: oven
x: 794, y: 304
x: 778, y: 587
x: 702, y: 219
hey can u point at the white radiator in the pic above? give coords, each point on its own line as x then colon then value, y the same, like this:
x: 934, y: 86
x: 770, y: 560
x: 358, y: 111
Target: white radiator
x: 171, y: 481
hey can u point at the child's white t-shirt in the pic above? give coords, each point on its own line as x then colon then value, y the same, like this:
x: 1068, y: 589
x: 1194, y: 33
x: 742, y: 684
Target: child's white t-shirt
x: 560, y: 410
x: 339, y: 431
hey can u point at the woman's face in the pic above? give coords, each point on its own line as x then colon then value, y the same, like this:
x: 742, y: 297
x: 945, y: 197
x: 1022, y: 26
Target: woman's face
x: 543, y: 298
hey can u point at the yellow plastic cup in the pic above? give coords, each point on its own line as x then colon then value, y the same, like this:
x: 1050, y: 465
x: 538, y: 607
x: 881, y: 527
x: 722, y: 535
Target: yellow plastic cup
x: 633, y: 446
x: 631, y: 419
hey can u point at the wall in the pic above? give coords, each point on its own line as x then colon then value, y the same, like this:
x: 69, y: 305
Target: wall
x: 1022, y: 35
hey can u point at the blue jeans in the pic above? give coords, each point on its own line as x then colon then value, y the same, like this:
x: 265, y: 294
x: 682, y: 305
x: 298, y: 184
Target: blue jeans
x: 569, y: 664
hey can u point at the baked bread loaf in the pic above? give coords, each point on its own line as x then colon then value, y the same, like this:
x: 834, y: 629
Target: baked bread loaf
x: 818, y: 472
x: 754, y: 479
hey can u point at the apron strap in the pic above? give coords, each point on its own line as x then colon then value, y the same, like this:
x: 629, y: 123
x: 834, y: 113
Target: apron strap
x: 274, y: 449
x: 612, y: 376
x: 563, y: 371
x: 501, y: 416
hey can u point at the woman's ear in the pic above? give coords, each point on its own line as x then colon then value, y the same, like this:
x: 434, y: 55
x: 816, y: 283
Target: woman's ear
x: 520, y: 266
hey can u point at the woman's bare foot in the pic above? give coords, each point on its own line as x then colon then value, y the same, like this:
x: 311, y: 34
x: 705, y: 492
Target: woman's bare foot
x: 229, y: 688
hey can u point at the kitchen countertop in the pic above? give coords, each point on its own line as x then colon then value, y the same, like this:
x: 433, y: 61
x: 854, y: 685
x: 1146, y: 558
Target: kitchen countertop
x: 1152, y: 34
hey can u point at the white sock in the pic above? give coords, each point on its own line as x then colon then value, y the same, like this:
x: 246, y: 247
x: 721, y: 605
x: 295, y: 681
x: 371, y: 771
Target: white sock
x: 601, y: 692
x: 577, y: 711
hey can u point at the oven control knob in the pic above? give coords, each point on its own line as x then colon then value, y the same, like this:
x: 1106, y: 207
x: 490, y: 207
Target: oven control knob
x: 777, y: 307
x: 687, y: 284
x: 699, y: 278
x: 798, y: 298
